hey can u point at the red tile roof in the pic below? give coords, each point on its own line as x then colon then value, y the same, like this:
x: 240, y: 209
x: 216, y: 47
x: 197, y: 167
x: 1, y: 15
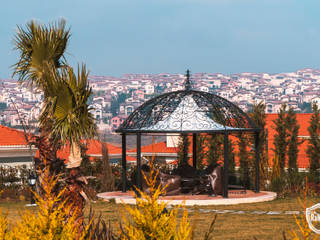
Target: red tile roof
x: 160, y: 147
x: 94, y: 147
x: 94, y: 150
x: 11, y: 137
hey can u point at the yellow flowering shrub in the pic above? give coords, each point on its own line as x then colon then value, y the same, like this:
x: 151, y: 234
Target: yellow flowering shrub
x: 150, y: 220
x: 3, y: 225
x: 54, y: 219
x: 304, y: 232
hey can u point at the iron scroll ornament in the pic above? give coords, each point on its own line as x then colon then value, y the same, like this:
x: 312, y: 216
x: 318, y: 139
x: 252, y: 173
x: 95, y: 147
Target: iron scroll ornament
x: 187, y: 111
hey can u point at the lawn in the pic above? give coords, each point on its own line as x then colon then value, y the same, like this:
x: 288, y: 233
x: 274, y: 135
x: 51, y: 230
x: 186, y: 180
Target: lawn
x: 228, y: 226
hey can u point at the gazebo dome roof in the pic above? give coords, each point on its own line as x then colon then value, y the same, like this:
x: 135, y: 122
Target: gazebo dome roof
x: 187, y: 111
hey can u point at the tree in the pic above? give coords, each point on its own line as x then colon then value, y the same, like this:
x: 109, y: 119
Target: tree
x: 215, y: 148
x: 3, y: 106
x: 244, y: 157
x: 41, y: 54
x: 86, y: 167
x: 114, y: 106
x: 280, y: 138
x: 293, y: 141
x: 313, y: 150
x: 258, y: 115
x: 200, y: 151
x: 71, y: 120
x: 122, y: 97
x: 116, y: 101
x: 232, y: 163
x: 183, y: 147
x: 305, y: 107
x: 106, y: 176
x: 65, y: 118
x: 42, y: 65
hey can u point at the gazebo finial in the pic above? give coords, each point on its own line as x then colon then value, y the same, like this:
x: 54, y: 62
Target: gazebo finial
x: 187, y: 82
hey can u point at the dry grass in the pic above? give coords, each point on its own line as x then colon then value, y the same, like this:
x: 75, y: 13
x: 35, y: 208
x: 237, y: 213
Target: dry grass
x: 13, y: 209
x: 228, y: 226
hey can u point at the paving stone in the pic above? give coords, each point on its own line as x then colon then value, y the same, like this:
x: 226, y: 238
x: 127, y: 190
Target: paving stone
x: 292, y: 212
x: 205, y: 210
x: 258, y: 212
x: 273, y: 213
x: 239, y: 212
x: 224, y: 211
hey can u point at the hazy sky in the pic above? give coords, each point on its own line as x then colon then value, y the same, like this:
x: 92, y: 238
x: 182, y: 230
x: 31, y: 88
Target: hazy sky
x: 152, y: 36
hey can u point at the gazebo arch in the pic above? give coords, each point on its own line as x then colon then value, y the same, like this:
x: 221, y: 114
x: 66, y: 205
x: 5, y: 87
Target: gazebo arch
x: 188, y: 112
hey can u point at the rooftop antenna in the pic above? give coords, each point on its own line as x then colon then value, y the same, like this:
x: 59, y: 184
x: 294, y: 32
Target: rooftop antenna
x: 187, y: 82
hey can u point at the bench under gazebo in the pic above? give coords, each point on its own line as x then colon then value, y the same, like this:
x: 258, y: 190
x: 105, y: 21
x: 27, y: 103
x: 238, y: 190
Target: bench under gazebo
x: 188, y: 112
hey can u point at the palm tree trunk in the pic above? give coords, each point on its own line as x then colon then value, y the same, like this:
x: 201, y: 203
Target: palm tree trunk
x: 75, y: 156
x: 75, y: 184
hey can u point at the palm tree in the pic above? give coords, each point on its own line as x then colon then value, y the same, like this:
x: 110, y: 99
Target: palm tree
x: 41, y: 56
x: 67, y: 106
x: 65, y: 117
x: 72, y: 122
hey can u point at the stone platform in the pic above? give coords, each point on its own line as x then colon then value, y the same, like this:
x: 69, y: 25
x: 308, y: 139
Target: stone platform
x: 235, y: 197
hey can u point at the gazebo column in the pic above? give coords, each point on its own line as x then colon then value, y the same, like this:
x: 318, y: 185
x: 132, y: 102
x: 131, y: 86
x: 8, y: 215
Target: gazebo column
x: 194, y: 149
x: 226, y: 165
x: 257, y: 153
x: 139, y: 184
x: 124, y: 163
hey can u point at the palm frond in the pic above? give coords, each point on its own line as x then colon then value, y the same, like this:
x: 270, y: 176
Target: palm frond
x: 70, y: 111
x: 39, y: 47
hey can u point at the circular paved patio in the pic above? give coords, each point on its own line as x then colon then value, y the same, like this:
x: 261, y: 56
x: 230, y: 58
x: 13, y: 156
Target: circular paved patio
x: 235, y: 197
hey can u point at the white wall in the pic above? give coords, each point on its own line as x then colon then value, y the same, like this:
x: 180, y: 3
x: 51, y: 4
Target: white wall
x: 172, y: 140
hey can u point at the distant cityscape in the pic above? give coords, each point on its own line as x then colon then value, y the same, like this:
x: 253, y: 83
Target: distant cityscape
x: 114, y: 98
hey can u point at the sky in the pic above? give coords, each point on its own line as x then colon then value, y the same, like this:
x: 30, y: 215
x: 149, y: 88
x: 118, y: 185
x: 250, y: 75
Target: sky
x: 114, y: 37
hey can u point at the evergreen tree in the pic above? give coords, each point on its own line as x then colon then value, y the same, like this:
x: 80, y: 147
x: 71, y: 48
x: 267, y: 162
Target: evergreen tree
x: 258, y: 115
x: 114, y: 107
x: 106, y: 176
x: 215, y: 148
x: 293, y: 142
x: 313, y: 150
x: 200, y: 151
x: 3, y: 106
x: 244, y: 156
x: 183, y: 147
x: 86, y: 168
x: 232, y: 163
x: 280, y: 138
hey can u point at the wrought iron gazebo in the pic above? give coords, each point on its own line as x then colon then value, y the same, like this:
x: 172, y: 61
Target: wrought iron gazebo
x: 188, y: 112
